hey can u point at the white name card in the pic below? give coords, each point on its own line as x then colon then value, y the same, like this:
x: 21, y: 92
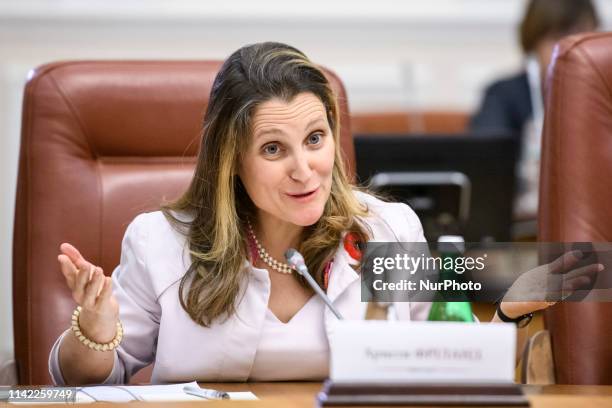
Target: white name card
x: 382, y: 351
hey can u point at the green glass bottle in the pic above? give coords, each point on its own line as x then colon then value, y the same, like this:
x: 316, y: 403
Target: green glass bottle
x: 450, y: 306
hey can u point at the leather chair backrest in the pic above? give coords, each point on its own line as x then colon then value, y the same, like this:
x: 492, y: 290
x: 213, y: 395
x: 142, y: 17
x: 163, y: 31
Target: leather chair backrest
x: 576, y: 194
x: 101, y: 142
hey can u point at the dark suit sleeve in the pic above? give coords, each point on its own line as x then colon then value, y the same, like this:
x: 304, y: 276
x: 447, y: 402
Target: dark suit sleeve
x: 506, y: 106
x: 494, y: 113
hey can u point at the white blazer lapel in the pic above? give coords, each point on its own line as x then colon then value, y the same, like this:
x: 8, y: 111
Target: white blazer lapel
x: 344, y: 290
x: 245, y: 328
x: 341, y: 275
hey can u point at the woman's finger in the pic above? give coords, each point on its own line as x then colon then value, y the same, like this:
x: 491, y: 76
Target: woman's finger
x: 68, y: 270
x: 83, y: 277
x: 580, y: 278
x: 565, y: 261
x: 71, y: 252
x: 92, y: 289
x: 106, y: 292
x: 101, y: 272
x: 590, y: 270
x: 575, y: 284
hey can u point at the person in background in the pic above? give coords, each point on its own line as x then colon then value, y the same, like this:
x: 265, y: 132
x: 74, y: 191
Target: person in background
x: 514, y: 104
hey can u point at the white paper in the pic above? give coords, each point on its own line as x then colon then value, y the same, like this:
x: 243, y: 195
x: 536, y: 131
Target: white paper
x: 156, y: 393
x: 151, y: 393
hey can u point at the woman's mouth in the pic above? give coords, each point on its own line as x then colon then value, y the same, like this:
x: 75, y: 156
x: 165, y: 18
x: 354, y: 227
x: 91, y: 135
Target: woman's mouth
x: 306, y: 196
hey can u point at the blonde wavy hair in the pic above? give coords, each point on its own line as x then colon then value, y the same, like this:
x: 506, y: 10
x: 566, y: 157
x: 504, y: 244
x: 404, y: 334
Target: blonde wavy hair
x: 217, y: 205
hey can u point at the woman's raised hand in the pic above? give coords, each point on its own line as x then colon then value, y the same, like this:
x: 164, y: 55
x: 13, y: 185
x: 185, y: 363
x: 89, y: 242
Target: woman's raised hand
x: 93, y: 292
x: 548, y: 284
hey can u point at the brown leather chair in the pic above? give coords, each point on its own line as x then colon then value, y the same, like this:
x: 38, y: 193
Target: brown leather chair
x: 101, y: 142
x: 401, y: 123
x: 576, y: 194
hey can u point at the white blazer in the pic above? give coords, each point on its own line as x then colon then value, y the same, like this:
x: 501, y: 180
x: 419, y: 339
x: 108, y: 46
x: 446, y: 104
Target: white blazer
x: 157, y: 330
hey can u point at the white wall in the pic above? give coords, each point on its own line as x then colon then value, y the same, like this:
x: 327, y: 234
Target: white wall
x: 392, y: 54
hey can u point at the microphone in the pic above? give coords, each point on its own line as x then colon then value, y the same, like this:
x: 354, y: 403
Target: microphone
x: 296, y: 260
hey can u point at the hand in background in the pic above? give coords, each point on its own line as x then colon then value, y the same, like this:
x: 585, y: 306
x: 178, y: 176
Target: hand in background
x: 93, y: 292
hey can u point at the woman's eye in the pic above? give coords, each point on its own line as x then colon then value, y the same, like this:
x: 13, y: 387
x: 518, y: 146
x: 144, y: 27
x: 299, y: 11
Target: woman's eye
x: 314, y: 139
x: 271, y: 149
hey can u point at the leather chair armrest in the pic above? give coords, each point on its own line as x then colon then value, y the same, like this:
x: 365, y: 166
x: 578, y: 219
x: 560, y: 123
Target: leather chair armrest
x: 537, y: 366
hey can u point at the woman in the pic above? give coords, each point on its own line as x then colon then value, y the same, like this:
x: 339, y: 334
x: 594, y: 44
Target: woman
x: 202, y: 289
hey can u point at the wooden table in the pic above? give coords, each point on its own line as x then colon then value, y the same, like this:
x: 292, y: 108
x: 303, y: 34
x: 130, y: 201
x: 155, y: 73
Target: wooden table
x: 302, y: 395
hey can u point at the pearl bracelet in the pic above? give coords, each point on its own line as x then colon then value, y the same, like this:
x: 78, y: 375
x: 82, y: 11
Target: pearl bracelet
x: 76, y: 329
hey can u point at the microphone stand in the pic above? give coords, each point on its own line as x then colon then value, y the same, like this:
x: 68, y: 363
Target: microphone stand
x: 295, y: 259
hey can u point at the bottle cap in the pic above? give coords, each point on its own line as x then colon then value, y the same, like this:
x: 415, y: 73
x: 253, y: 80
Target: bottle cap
x: 454, y: 244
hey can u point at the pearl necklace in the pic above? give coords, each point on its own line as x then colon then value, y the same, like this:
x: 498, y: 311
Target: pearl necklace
x: 265, y: 256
